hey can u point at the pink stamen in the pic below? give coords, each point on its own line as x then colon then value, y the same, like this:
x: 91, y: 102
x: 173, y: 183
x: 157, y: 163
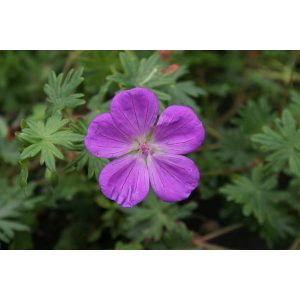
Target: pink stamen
x: 144, y: 149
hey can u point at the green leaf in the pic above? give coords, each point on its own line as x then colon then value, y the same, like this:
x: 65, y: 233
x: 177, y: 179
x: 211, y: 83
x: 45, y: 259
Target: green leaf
x: 30, y: 151
x: 12, y: 206
x: 23, y: 172
x: 9, y: 151
x: 94, y: 164
x: 47, y: 157
x: 128, y: 246
x: 278, y: 226
x: 179, y: 237
x: 257, y: 195
x: 235, y: 148
x: 84, y: 158
x: 149, y: 72
x: 153, y: 217
x: 294, y: 106
x: 282, y: 144
x: 3, y: 128
x: 69, y: 185
x: 96, y: 102
x: 184, y: 92
x: 60, y: 91
x: 253, y: 116
x: 43, y: 139
x: 145, y: 72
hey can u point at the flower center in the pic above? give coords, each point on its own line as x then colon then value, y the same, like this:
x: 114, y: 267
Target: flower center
x: 144, y: 148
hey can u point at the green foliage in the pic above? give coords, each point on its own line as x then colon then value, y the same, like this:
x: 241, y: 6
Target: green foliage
x: 128, y: 246
x: 22, y: 75
x: 249, y: 103
x: 13, y: 204
x: 60, y: 91
x: 97, y: 66
x: 259, y: 197
x: 294, y: 106
x: 257, y: 194
x: 43, y: 138
x: 235, y: 148
x: 150, y: 73
x: 3, y: 128
x: 184, y: 92
x: 8, y: 149
x: 93, y: 163
x: 9, y: 223
x: 144, y: 72
x: 178, y: 237
x: 84, y: 158
x: 70, y: 185
x: 153, y: 217
x: 282, y: 144
x: 253, y: 116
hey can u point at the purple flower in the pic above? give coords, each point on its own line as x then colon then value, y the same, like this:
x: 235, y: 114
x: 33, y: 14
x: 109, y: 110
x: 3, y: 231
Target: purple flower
x: 147, y: 151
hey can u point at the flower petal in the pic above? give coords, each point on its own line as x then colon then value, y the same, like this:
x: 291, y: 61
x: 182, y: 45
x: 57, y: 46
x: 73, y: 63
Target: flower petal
x: 125, y: 180
x: 134, y: 111
x: 104, y: 139
x: 172, y: 177
x: 178, y: 131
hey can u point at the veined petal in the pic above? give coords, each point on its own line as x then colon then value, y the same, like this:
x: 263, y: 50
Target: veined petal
x: 172, y: 177
x: 178, y: 131
x: 135, y: 111
x: 125, y: 180
x: 104, y: 139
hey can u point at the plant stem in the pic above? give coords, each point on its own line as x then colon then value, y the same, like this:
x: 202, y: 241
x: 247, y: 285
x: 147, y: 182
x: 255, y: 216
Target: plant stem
x: 290, y: 79
x: 221, y: 231
x: 238, y: 101
x: 226, y: 172
x: 201, y: 241
x: 70, y: 59
x: 209, y: 147
x: 213, y: 132
x: 204, y: 245
x: 295, y: 245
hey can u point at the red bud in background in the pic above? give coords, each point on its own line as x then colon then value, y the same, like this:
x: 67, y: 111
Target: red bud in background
x: 164, y: 54
x: 170, y: 69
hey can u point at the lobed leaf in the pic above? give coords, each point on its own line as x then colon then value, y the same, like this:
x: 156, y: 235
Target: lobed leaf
x: 282, y: 144
x: 60, y: 91
x: 43, y: 139
x: 259, y: 197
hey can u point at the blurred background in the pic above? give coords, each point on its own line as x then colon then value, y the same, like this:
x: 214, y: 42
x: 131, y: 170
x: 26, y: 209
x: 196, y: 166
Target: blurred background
x: 248, y: 197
